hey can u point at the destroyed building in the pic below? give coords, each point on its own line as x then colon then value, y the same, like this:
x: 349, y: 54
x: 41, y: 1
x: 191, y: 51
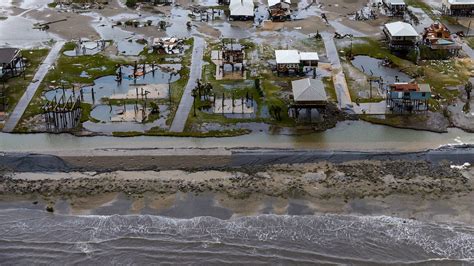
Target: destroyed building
x: 168, y: 45
x: 438, y: 37
x: 279, y: 10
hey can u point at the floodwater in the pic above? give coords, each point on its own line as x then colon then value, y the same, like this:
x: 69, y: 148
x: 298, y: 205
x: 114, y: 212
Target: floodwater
x: 109, y: 121
x: 374, y: 67
x: 348, y: 135
x: 107, y: 86
x: 28, y: 38
x: 198, y: 229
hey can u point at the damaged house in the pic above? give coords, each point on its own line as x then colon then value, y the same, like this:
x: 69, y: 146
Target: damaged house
x: 457, y: 7
x: 279, y: 10
x: 241, y: 10
x: 401, y: 36
x: 168, y: 45
x: 438, y: 38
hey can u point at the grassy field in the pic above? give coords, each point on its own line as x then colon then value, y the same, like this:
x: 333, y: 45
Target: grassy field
x: 68, y: 70
x: 439, y: 74
x: 15, y: 87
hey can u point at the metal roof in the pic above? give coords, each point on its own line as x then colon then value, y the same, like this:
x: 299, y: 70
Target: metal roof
x: 309, y: 56
x: 287, y: 56
x: 241, y: 8
x: 401, y: 29
x: 308, y: 90
x: 8, y: 54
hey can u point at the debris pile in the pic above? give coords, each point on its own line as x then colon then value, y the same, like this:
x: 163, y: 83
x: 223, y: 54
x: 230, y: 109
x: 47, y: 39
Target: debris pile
x: 168, y: 45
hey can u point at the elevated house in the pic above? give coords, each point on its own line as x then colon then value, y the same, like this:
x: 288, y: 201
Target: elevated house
x: 401, y: 36
x: 241, y: 10
x: 396, y: 7
x: 457, y: 7
x: 438, y: 37
x: 408, y: 96
x: 307, y: 94
x: 293, y: 61
x: 279, y: 10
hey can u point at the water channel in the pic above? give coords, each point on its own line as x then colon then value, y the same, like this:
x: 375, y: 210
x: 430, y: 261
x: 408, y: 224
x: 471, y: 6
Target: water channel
x: 348, y: 135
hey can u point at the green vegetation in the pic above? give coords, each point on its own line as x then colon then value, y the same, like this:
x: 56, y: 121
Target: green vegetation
x: 68, y: 71
x: 438, y: 74
x: 15, y: 87
x: 470, y: 41
x: 131, y: 3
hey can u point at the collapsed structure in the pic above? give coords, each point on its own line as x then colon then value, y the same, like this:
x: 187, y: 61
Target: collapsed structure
x: 438, y: 37
x: 12, y: 64
x: 279, y: 10
x: 168, y: 45
x: 401, y: 36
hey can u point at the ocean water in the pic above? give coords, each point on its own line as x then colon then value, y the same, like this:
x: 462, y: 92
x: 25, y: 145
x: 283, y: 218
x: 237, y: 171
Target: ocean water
x: 36, y: 237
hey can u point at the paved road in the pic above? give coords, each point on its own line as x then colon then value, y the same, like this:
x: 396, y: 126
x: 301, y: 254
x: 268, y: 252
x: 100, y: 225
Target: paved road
x: 187, y: 100
x: 20, y: 108
x: 340, y: 84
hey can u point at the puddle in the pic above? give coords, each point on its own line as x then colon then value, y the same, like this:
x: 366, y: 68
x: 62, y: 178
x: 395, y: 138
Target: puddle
x: 113, y: 119
x: 126, y: 41
x: 374, y: 67
x: 87, y: 48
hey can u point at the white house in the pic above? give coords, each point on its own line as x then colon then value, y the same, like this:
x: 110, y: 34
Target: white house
x: 293, y: 60
x: 458, y: 7
x: 400, y: 35
x: 241, y: 9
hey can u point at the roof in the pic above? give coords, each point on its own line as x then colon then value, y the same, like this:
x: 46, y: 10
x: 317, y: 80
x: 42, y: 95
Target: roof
x: 274, y: 2
x: 8, y: 54
x: 407, y: 87
x: 401, y: 29
x: 241, y: 8
x: 309, y: 56
x: 395, y: 2
x: 287, y: 56
x: 461, y: 2
x: 308, y: 90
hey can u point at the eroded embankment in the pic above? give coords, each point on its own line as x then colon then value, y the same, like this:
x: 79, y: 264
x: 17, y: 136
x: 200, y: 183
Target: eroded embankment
x: 355, y: 179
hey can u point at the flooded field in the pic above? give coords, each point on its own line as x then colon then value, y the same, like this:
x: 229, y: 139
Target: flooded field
x: 373, y: 67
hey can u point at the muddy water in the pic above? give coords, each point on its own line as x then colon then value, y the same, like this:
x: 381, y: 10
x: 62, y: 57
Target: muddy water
x: 28, y: 38
x: 349, y: 135
x: 374, y: 67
